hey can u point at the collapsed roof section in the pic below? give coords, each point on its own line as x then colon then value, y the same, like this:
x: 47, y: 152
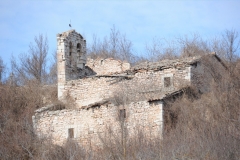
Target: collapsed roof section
x: 67, y: 33
x: 148, y: 96
x: 164, y: 64
x: 158, y: 66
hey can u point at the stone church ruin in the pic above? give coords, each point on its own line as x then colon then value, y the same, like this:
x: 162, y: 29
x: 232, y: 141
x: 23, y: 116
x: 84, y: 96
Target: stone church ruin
x: 107, y: 92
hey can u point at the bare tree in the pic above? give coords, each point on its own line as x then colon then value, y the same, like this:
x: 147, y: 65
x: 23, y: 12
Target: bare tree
x: 114, y: 41
x: 52, y: 75
x: 154, y: 50
x: 115, y: 46
x: 193, y: 45
x: 231, y: 44
x: 32, y: 65
x: 161, y: 49
x: 125, y: 49
x: 2, y: 68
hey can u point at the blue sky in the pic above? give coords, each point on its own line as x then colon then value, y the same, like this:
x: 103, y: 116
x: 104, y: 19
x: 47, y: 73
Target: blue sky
x: 140, y: 20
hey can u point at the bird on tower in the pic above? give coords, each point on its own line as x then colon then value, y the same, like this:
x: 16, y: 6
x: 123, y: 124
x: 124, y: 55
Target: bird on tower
x: 70, y: 24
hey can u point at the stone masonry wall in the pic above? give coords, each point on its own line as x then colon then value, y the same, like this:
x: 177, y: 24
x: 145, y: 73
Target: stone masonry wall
x: 93, y: 67
x: 71, y: 57
x: 204, y: 72
x: 90, y: 124
x: 107, y: 66
x: 89, y: 90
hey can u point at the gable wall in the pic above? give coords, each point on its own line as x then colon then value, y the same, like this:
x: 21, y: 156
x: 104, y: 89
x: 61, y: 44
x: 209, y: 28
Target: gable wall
x: 205, y: 72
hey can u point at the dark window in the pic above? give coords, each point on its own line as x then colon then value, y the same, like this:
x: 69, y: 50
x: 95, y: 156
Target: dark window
x: 122, y: 114
x: 70, y: 133
x: 79, y: 49
x: 70, y: 48
x: 78, y: 46
x: 70, y: 45
x: 167, y: 81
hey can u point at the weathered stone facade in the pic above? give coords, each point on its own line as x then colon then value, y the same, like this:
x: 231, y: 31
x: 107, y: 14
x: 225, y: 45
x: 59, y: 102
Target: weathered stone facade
x: 103, y: 90
x: 71, y: 56
x: 90, y: 124
x: 107, y: 66
x: 93, y: 89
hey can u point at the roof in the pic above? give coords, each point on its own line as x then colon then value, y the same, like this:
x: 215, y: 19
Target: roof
x: 158, y: 66
x: 177, y: 63
x: 156, y: 95
x: 95, y: 104
x: 149, y: 96
x: 160, y: 94
x: 161, y: 65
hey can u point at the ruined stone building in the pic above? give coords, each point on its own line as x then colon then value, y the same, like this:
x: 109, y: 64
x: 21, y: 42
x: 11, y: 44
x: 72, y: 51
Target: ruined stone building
x: 105, y: 92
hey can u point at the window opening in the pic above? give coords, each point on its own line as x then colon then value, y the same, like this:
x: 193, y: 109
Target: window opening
x: 70, y: 45
x: 78, y: 46
x: 167, y: 81
x: 79, y: 49
x: 70, y: 48
x: 122, y: 114
x: 70, y: 133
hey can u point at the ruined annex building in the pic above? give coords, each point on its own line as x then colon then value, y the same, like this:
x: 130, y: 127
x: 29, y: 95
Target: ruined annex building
x: 105, y: 93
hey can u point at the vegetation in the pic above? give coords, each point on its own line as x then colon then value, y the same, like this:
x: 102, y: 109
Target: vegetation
x: 199, y: 126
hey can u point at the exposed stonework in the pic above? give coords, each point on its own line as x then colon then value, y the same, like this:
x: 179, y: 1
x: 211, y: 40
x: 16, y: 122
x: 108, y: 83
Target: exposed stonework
x: 71, y: 56
x: 103, y: 89
x: 89, y: 90
x: 107, y: 66
x: 90, y: 124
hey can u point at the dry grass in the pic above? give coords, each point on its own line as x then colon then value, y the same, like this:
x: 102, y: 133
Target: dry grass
x: 205, y: 126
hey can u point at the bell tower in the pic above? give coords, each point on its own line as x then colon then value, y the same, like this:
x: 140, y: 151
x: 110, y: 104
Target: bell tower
x: 71, y: 57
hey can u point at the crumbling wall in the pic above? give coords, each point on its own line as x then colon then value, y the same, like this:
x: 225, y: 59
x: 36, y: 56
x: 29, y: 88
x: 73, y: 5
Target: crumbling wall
x: 93, y: 89
x: 93, y: 67
x: 155, y: 79
x: 71, y: 57
x: 89, y: 90
x: 204, y: 72
x: 107, y: 66
x: 90, y: 124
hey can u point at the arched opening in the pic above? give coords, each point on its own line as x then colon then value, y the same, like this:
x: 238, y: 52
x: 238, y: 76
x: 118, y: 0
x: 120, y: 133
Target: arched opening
x: 70, y: 48
x: 70, y: 53
x: 78, y: 46
x: 79, y: 50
